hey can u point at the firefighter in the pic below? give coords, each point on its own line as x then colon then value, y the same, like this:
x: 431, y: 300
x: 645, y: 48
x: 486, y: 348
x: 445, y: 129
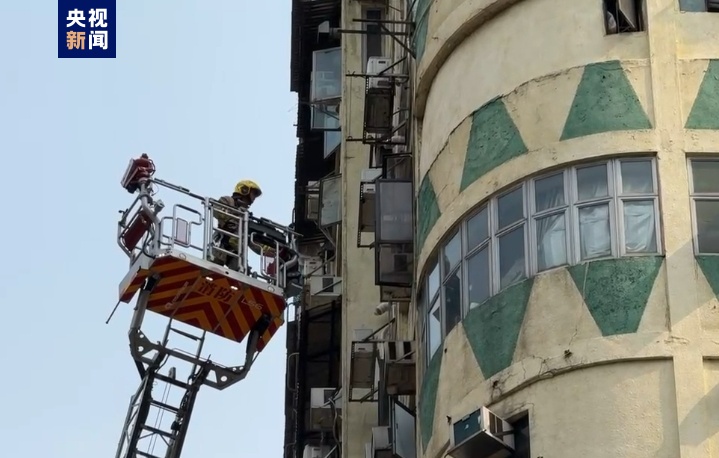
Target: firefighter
x: 246, y: 191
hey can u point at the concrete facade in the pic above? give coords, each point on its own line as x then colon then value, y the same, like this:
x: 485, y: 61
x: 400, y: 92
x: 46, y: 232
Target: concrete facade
x: 617, y: 356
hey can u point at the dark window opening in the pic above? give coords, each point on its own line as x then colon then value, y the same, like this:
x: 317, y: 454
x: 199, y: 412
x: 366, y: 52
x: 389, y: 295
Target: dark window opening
x: 623, y: 16
x: 520, y: 426
x: 373, y: 36
x: 713, y: 6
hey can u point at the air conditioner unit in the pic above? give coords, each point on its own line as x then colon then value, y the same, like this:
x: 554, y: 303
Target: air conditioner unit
x: 481, y: 434
x: 400, y: 364
x: 381, y: 443
x: 322, y: 415
x: 326, y: 286
x: 311, y: 267
x: 375, y: 65
x: 314, y: 451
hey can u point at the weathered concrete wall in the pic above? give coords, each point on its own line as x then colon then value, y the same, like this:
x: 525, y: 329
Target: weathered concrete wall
x: 359, y: 293
x: 628, y: 346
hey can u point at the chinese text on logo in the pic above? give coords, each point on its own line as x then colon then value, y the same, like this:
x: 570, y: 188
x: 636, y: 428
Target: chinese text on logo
x: 86, y: 29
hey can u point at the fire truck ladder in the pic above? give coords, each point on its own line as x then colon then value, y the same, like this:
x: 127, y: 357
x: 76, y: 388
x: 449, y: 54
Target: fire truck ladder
x: 157, y: 421
x: 174, y: 276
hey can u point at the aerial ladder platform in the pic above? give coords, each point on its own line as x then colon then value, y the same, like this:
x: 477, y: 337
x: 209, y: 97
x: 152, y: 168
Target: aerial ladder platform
x: 174, y: 273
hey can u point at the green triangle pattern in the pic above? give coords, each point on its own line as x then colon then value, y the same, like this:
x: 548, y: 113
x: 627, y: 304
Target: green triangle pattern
x: 428, y: 397
x: 710, y: 269
x: 705, y: 111
x: 427, y: 211
x: 493, y: 140
x: 493, y: 328
x: 616, y: 291
x: 605, y: 101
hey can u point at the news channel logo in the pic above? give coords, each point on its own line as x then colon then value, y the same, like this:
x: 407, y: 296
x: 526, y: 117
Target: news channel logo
x: 86, y: 29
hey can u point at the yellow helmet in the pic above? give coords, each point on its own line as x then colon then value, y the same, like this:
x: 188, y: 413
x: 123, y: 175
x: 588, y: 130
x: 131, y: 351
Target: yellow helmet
x: 246, y: 187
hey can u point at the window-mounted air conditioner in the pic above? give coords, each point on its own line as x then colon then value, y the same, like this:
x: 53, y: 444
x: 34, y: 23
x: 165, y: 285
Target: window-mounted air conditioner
x: 375, y: 65
x: 314, y: 451
x: 400, y: 364
x: 325, y: 286
x: 311, y: 267
x: 381, y: 443
x: 322, y: 413
x: 481, y: 434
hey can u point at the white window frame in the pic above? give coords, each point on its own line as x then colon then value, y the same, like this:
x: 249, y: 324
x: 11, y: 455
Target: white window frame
x: 496, y: 233
x: 615, y: 199
x: 484, y: 244
x: 622, y: 198
x: 694, y: 197
x: 535, y: 215
x: 430, y: 301
x: 445, y: 276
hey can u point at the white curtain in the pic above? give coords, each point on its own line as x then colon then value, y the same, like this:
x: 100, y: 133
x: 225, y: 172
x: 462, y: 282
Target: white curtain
x: 594, y: 237
x: 594, y: 234
x: 551, y: 230
x: 639, y: 227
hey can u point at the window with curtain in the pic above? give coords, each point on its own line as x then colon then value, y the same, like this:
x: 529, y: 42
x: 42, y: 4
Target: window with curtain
x: 704, y: 188
x: 433, y: 319
x: 563, y: 217
x: 452, y: 281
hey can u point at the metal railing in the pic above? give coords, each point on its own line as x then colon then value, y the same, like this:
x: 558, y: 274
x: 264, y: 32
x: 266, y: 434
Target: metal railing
x: 206, y: 229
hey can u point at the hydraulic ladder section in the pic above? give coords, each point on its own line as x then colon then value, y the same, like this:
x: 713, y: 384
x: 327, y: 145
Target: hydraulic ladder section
x: 159, y: 413
x: 178, y: 273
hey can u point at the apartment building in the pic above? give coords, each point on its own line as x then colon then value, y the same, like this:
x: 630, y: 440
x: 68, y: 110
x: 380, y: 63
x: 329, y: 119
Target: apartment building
x: 510, y: 214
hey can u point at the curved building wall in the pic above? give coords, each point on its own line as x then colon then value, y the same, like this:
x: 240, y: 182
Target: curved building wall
x: 609, y: 344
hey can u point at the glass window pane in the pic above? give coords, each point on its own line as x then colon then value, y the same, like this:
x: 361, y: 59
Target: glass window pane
x: 478, y: 277
x: 549, y: 192
x: 477, y: 229
x: 333, y: 138
x: 510, y: 208
x: 433, y: 282
x: 330, y: 201
x: 511, y: 257
x: 551, y: 241
x: 394, y: 222
x: 452, y: 301
x: 708, y: 225
x: 592, y: 182
x: 325, y: 117
x: 452, y: 253
x: 704, y: 175
x: 637, y: 177
x: 434, y: 330
x: 373, y: 38
x: 639, y: 227
x: 326, y: 74
x: 594, y: 235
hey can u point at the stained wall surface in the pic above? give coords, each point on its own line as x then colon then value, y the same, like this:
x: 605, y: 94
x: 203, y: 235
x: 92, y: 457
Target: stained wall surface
x: 626, y: 346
